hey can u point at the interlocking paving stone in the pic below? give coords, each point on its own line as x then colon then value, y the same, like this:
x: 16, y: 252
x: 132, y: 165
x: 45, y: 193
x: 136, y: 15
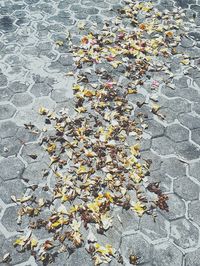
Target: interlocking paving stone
x: 192, y: 258
x: 166, y: 254
x: 177, y: 208
x: 177, y: 133
x: 163, y: 145
x: 11, y: 188
x: 184, y: 233
x: 187, y: 150
x: 11, y: 168
x: 194, y: 214
x: 6, y: 111
x: 173, y: 167
x: 186, y: 188
x: 33, y: 173
x: 8, y: 129
x: 32, y: 74
x: 136, y: 244
x: 154, y: 229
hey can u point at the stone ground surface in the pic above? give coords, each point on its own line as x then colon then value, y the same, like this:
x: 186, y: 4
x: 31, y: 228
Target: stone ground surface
x: 32, y: 74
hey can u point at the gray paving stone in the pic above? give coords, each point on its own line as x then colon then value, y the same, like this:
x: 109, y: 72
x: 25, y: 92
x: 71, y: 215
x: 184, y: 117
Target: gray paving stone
x: 9, y: 219
x: 33, y: 173
x: 173, y: 167
x: 176, y: 208
x: 8, y: 129
x: 194, y: 213
x: 33, y: 152
x: 194, y: 170
x: 155, y: 159
x: 163, y: 145
x: 40, y: 89
x: 186, y: 188
x: 155, y: 129
x: 189, y: 121
x: 17, y: 257
x: 11, y: 188
x: 25, y: 135
x: 6, y: 111
x: 195, y: 135
x: 78, y: 257
x: 154, y: 229
x: 187, y: 150
x: 196, y: 108
x: 5, y: 94
x: 11, y: 168
x: 166, y: 254
x: 3, y: 78
x: 10, y: 146
x: 22, y: 99
x: 162, y: 178
x: 130, y: 222
x: 177, y: 133
x: 136, y: 245
x: 192, y: 258
x: 178, y: 105
x: 59, y: 95
x: 184, y: 233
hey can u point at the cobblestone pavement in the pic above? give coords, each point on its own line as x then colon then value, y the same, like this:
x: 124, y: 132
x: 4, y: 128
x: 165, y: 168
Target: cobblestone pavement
x: 32, y: 74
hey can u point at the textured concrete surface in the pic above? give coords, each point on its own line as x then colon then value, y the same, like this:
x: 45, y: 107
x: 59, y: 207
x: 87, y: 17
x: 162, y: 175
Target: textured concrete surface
x: 32, y: 74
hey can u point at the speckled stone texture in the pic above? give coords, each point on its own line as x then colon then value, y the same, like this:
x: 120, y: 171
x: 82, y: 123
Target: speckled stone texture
x: 32, y: 74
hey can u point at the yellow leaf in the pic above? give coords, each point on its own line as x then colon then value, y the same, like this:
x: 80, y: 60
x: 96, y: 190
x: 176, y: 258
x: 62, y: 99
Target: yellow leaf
x: 59, y: 43
x: 185, y: 62
x: 43, y: 111
x: 139, y: 208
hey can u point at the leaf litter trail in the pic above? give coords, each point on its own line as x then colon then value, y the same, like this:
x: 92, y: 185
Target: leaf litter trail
x: 95, y: 154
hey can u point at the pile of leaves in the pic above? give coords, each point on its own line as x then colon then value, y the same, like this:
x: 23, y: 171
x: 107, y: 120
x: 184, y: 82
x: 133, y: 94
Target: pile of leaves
x: 95, y: 168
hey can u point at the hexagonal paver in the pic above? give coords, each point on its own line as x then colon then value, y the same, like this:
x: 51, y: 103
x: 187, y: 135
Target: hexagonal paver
x: 155, y: 159
x: 11, y: 188
x: 136, y: 245
x: 8, y: 129
x: 189, y: 121
x: 192, y: 258
x: 184, y: 233
x: 6, y: 111
x: 11, y: 168
x: 163, y: 145
x: 17, y: 257
x: 18, y: 86
x: 177, y: 133
x: 5, y: 94
x: 195, y: 136
x: 25, y: 135
x: 154, y: 229
x: 161, y: 177
x: 10, y: 146
x: 176, y: 208
x: 194, y: 211
x: 33, y: 173
x: 130, y: 221
x: 166, y: 254
x: 186, y: 188
x: 155, y: 129
x: 3, y: 80
x: 77, y: 258
x: 22, y: 99
x: 187, y: 150
x: 40, y: 89
x: 194, y: 170
x: 173, y: 167
x: 9, y: 219
x: 33, y: 152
